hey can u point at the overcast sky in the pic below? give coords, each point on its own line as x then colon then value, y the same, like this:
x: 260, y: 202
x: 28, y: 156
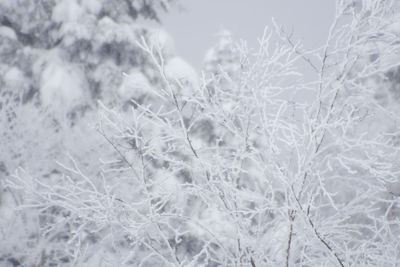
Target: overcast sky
x: 194, y: 29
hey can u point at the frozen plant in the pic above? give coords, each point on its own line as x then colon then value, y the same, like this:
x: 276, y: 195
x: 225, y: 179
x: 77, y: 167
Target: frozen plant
x: 255, y: 167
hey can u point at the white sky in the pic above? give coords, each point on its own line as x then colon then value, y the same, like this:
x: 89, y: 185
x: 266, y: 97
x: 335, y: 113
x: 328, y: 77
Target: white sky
x: 193, y: 29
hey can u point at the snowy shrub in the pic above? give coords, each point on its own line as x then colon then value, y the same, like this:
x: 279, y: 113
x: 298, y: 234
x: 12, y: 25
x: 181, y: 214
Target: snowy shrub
x: 253, y: 165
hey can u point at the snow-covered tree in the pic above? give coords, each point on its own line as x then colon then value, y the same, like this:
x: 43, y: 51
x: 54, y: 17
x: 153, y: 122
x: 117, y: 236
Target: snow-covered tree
x: 223, y: 56
x: 57, y: 60
x: 252, y: 166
